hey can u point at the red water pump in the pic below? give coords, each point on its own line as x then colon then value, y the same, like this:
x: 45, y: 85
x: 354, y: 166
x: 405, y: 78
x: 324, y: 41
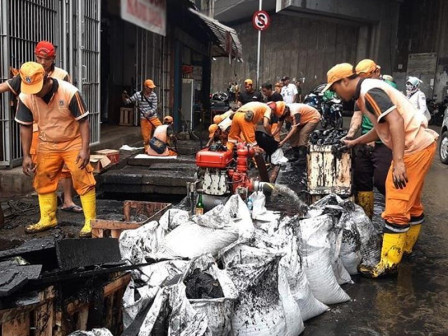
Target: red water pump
x: 220, y: 176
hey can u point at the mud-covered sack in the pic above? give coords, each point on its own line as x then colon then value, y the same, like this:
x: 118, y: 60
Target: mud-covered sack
x: 94, y: 332
x: 325, y: 205
x: 279, y: 235
x: 292, y: 266
x: 219, y: 311
x: 172, y: 314
x: 336, y: 239
x: 172, y: 218
x: 350, y: 251
x: 137, y: 244
x: 161, y: 273
x: 315, y: 248
x: 209, y: 233
x: 135, y: 300
x: 265, y: 306
x: 369, y: 234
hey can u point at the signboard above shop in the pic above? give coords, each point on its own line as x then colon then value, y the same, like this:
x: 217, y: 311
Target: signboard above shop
x: 148, y: 14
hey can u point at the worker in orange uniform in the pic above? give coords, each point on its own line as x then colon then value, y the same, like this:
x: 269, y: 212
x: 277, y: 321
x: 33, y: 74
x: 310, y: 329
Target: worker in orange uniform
x: 146, y: 101
x: 247, y: 117
x: 371, y: 161
x: 219, y: 130
x: 304, y: 120
x: 413, y: 146
x: 50, y: 102
x: 163, y: 137
x: 45, y: 55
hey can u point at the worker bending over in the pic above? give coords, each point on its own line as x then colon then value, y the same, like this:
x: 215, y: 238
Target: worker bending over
x: 247, y: 117
x: 51, y: 102
x: 371, y: 161
x: 413, y: 147
x: 304, y: 120
x: 163, y: 138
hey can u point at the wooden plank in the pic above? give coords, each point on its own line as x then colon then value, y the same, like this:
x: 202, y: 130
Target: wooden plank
x: 113, y: 225
x: 74, y: 253
x: 20, y: 326
x: 115, y: 233
x: 83, y: 315
x: 115, y: 285
x: 47, y: 294
x: 43, y: 316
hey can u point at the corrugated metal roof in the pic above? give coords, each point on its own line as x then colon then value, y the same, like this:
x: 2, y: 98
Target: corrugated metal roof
x: 227, y: 41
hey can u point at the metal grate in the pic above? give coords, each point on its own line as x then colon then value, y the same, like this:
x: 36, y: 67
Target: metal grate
x: 150, y: 64
x: 19, y: 37
x: 23, y: 23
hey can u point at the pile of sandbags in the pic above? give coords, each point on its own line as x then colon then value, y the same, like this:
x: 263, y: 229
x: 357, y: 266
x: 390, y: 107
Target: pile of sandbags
x: 225, y: 273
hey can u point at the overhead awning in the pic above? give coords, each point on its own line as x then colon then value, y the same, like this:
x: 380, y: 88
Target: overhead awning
x: 227, y: 42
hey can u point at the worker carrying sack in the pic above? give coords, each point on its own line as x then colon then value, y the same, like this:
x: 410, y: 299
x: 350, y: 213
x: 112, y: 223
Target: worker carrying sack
x: 157, y: 145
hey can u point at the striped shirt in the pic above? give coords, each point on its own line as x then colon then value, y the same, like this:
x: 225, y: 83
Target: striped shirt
x: 146, y: 105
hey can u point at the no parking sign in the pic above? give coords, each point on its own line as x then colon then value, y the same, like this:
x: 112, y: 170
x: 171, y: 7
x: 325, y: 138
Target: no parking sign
x: 261, y: 20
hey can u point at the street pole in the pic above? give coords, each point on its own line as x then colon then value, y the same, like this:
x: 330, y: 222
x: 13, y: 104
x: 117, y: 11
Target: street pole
x: 258, y: 50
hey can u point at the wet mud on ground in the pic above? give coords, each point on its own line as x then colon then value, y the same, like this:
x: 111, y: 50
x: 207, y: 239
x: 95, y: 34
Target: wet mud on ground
x: 415, y: 302
x: 69, y: 224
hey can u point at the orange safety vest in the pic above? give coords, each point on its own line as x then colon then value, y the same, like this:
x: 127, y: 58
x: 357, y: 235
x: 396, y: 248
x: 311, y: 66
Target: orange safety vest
x: 57, y: 73
x: 307, y: 113
x: 417, y: 137
x: 58, y: 128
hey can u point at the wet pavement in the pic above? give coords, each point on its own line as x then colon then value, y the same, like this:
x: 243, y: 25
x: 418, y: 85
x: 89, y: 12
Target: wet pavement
x: 415, y: 302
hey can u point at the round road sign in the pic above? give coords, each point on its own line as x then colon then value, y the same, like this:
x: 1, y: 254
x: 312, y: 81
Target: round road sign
x: 261, y: 20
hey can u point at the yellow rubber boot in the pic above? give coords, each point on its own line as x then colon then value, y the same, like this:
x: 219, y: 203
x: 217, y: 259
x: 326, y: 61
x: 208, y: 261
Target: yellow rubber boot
x: 88, y: 202
x: 391, y: 254
x: 47, y: 205
x: 365, y: 200
x: 411, y: 238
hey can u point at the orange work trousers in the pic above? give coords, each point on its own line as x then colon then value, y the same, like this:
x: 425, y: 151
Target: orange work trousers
x: 49, y: 168
x: 65, y: 173
x: 147, y: 128
x: 401, y: 204
x: 242, y: 129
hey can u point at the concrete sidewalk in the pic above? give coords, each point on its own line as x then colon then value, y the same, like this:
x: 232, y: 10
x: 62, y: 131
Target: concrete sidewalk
x: 14, y: 184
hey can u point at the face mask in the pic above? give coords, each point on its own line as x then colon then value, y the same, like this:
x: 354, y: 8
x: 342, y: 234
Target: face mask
x: 410, y: 88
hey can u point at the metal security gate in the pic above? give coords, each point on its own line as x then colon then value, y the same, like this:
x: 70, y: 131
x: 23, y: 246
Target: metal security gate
x: 23, y: 23
x: 84, y: 62
x: 152, y: 62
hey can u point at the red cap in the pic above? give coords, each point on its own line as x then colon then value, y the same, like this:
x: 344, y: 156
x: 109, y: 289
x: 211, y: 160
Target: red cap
x: 45, y: 49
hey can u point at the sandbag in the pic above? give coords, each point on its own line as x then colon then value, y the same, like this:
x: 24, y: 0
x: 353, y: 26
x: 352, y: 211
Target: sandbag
x: 219, y: 311
x: 351, y: 241
x: 209, y: 233
x: 266, y: 306
x: 316, y: 252
x: 370, y: 235
x: 172, y: 218
x: 172, y: 314
x: 279, y: 234
x: 135, y: 300
x: 137, y: 244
